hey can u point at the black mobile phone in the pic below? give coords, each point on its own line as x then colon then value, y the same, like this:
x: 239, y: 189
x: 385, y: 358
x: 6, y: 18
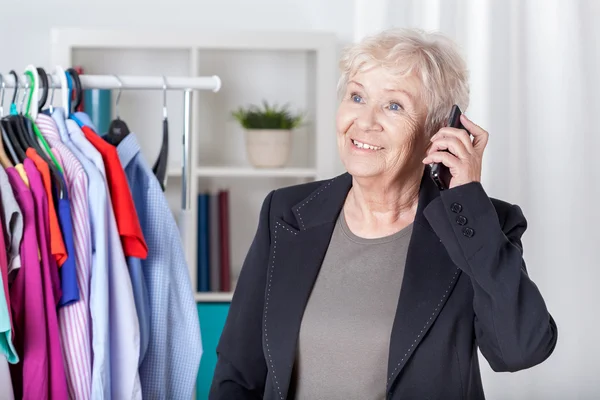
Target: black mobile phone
x: 439, y: 172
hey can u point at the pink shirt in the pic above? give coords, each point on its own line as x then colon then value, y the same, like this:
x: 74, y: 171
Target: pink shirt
x: 57, y: 379
x: 30, y: 376
x: 40, y: 374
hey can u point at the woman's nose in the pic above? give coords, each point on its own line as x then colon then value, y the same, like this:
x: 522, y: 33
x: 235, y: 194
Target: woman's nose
x: 367, y: 119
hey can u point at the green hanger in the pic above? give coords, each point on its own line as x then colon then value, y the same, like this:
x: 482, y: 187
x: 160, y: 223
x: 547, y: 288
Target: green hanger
x: 41, y: 139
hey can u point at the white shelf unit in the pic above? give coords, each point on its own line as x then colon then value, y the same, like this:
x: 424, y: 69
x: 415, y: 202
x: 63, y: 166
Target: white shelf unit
x: 298, y: 68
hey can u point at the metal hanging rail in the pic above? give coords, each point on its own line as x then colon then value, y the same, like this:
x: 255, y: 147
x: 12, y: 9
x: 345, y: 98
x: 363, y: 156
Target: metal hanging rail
x: 133, y: 82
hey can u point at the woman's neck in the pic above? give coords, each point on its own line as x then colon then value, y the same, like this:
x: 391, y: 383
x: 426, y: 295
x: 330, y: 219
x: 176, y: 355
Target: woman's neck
x: 378, y: 207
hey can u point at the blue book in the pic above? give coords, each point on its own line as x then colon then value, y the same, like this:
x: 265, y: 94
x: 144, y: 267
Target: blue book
x: 203, y: 242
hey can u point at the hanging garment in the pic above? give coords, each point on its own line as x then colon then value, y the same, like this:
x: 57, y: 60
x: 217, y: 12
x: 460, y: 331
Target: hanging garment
x: 52, y: 293
x: 13, y: 224
x: 124, y: 324
x: 58, y: 236
x: 140, y: 292
x: 8, y: 145
x: 75, y: 321
x: 170, y: 366
x: 160, y: 166
x: 48, y: 263
x: 30, y: 375
x: 7, y: 348
x: 6, y: 389
x: 127, y: 219
x: 57, y: 244
x: 99, y: 269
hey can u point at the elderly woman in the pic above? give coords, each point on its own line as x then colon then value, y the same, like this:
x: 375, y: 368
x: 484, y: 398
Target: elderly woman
x: 376, y: 284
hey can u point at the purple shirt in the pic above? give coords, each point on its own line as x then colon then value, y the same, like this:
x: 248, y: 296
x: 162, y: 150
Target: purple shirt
x: 30, y: 376
x: 57, y: 383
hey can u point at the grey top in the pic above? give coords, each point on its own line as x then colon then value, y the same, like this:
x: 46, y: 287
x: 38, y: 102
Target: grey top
x: 345, y: 333
x: 13, y: 223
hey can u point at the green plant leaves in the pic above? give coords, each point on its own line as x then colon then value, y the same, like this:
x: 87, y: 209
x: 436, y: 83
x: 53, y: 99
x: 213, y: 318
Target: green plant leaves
x: 267, y: 117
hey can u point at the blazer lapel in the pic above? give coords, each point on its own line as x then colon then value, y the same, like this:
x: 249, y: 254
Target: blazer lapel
x: 429, y: 277
x: 296, y: 256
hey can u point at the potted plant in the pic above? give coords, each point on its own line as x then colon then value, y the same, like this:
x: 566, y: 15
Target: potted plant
x: 268, y: 133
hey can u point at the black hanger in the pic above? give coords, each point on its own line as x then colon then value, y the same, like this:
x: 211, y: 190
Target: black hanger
x: 45, y: 87
x: 12, y: 155
x: 160, y: 166
x: 78, y: 89
x: 18, y: 124
x: 5, y: 159
x: 24, y: 128
x: 59, y: 184
x: 12, y: 138
x: 118, y: 129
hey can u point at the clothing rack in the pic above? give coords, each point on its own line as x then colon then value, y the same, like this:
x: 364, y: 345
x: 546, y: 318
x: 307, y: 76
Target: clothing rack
x: 133, y: 82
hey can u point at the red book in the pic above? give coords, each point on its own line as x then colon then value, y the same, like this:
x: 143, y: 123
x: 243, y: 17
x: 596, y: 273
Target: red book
x: 224, y: 233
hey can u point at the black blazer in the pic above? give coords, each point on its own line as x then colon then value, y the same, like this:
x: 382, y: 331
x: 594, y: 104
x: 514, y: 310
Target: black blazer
x: 465, y: 285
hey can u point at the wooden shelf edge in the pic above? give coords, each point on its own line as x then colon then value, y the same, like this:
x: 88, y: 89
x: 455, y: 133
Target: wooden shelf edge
x: 256, y: 172
x: 213, y: 297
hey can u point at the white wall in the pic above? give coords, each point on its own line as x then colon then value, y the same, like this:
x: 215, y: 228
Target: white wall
x: 25, y: 26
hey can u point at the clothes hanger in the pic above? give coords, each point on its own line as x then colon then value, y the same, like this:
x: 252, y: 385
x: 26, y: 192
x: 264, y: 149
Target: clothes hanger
x: 31, y: 114
x: 10, y: 139
x: 13, y: 129
x: 118, y: 129
x: 65, y: 90
x: 160, y: 166
x: 72, y: 77
x: 45, y: 88
x: 78, y: 90
x: 35, y: 94
x: 19, y: 124
x: 50, y: 108
x: 53, y: 165
x: 4, y: 160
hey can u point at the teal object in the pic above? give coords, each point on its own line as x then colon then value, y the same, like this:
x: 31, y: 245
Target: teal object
x: 212, y: 320
x: 97, y: 104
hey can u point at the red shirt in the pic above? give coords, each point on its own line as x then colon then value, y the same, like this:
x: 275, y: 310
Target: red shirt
x: 128, y: 223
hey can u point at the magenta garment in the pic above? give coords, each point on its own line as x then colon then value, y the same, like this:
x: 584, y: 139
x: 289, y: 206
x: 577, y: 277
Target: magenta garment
x: 58, y: 381
x: 30, y: 376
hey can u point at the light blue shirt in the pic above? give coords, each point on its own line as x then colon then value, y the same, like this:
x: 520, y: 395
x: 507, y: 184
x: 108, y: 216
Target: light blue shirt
x: 124, y: 324
x: 140, y: 292
x: 99, y: 299
x: 170, y: 368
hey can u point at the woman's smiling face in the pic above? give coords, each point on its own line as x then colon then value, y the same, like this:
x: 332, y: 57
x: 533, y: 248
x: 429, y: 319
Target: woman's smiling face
x: 380, y: 124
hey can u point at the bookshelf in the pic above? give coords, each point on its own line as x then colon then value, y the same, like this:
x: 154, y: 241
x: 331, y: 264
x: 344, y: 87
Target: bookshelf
x: 282, y: 67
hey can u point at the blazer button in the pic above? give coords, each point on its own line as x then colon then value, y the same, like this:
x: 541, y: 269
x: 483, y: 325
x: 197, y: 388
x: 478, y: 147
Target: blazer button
x: 456, y: 207
x: 461, y: 220
x: 468, y: 232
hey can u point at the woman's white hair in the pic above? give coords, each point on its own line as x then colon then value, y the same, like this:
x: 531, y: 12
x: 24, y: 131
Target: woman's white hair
x: 432, y: 56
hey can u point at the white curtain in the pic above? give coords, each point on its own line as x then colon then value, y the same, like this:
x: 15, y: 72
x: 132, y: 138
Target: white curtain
x: 535, y: 86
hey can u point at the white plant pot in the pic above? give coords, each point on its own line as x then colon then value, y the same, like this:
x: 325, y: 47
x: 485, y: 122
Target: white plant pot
x: 268, y: 148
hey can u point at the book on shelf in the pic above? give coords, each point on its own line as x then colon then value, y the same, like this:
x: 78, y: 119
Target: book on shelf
x: 213, y: 242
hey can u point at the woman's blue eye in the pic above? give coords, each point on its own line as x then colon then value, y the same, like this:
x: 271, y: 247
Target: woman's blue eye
x: 395, y: 107
x: 356, y: 98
